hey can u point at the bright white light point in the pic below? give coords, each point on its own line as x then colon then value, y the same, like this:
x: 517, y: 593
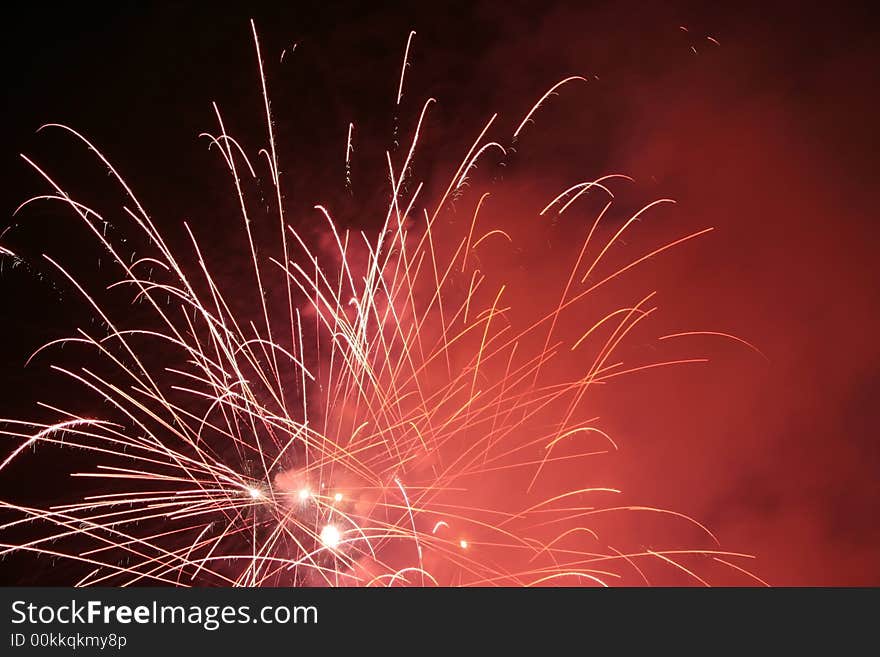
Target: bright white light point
x: 255, y: 493
x: 463, y: 543
x: 330, y: 536
x: 338, y: 497
x: 304, y: 494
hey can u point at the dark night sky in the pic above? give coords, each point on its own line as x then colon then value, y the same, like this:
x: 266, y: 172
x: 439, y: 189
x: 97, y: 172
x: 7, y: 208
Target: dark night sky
x: 770, y: 137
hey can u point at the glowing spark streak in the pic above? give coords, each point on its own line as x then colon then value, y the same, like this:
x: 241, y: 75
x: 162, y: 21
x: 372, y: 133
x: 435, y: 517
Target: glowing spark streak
x: 717, y: 333
x: 411, y: 519
x: 742, y: 570
x: 349, y: 147
x: 489, y: 234
x: 403, y: 68
x: 568, y: 574
x: 60, y: 427
x: 680, y: 567
x: 470, y: 235
x: 537, y: 105
x: 399, y: 575
x: 580, y: 430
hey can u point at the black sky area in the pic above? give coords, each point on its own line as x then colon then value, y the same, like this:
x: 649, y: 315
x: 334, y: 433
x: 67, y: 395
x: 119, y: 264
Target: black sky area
x: 777, y: 126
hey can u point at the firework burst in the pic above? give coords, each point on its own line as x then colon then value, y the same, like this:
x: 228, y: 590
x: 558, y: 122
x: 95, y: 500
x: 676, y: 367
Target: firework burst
x: 365, y: 431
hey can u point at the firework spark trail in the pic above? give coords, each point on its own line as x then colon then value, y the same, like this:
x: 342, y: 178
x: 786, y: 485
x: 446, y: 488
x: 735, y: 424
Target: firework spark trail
x: 245, y: 461
x: 405, y: 64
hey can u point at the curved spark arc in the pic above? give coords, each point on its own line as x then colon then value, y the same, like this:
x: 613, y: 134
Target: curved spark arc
x: 403, y: 67
x: 217, y: 472
x: 542, y: 100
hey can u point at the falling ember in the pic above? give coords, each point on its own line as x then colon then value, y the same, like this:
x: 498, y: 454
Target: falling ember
x: 396, y: 367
